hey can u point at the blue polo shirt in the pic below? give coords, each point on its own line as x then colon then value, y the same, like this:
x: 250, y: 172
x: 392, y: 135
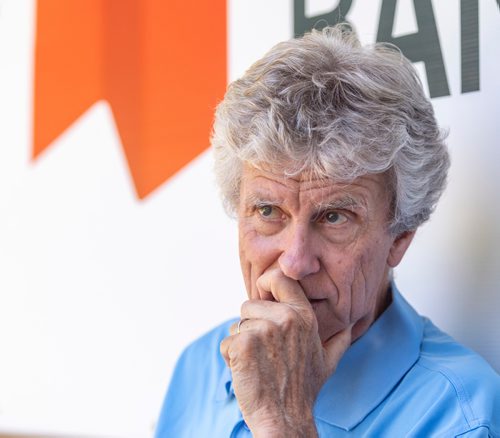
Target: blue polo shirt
x: 402, y: 378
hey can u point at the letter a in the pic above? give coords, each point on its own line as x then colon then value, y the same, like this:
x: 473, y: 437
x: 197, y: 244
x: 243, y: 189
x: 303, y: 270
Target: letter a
x: 421, y: 46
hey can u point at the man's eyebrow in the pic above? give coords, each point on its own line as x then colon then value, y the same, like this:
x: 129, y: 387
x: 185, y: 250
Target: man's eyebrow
x: 262, y: 199
x: 346, y: 201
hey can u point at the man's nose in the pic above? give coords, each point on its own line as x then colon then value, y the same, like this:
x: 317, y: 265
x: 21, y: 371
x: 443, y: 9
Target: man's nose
x: 299, y: 256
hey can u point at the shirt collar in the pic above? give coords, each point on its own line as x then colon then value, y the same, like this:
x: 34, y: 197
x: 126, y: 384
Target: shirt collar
x: 369, y: 369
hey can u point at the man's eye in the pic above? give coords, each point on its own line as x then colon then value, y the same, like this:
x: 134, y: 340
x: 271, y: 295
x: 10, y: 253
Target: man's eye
x: 267, y: 211
x: 335, y: 218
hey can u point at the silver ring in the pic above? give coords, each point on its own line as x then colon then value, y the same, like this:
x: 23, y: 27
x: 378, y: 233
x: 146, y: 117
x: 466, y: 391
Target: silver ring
x: 241, y: 321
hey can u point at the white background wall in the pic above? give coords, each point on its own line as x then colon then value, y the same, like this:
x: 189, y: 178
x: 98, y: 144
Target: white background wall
x: 99, y: 291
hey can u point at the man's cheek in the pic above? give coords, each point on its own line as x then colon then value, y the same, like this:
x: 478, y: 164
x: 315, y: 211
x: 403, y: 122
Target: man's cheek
x: 364, y: 290
x: 358, y: 309
x: 352, y: 289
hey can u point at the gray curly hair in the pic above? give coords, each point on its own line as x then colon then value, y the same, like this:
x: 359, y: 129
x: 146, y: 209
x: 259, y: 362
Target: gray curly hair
x: 325, y: 104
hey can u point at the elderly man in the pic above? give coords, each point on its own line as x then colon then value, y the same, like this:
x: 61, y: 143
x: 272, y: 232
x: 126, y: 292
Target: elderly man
x: 331, y: 158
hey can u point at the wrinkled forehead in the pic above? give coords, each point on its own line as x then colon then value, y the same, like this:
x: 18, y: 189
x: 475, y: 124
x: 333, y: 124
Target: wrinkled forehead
x: 293, y: 174
x: 276, y: 184
x: 306, y: 178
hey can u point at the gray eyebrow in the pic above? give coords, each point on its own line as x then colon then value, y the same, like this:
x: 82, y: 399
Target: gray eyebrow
x: 261, y: 199
x: 339, y: 204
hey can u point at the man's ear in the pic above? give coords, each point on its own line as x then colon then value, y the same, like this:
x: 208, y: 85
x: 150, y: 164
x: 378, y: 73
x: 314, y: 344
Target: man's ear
x: 399, y: 247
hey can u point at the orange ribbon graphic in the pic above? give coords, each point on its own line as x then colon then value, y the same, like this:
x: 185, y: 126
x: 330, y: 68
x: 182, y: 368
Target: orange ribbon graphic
x: 160, y: 64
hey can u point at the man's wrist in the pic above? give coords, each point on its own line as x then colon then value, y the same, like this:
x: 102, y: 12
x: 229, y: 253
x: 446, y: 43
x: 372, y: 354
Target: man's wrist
x: 302, y: 426
x: 302, y: 431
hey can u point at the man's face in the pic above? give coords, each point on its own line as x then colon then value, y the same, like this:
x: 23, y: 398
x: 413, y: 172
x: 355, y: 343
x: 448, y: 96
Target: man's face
x: 332, y: 238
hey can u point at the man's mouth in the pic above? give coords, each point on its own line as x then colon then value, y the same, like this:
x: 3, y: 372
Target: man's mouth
x: 315, y: 302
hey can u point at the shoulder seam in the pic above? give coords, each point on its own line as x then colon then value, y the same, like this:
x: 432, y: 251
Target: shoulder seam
x: 456, y: 382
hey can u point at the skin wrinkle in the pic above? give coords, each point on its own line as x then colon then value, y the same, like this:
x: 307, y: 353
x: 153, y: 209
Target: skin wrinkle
x: 377, y: 306
x: 362, y: 279
x: 351, y: 291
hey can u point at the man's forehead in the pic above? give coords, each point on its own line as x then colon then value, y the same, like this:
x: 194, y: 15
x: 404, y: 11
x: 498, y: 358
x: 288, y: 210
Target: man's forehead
x: 267, y: 178
x: 284, y: 172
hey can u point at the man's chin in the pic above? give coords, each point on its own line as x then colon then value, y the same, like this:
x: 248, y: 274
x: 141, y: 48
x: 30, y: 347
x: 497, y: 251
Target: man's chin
x: 328, y: 325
